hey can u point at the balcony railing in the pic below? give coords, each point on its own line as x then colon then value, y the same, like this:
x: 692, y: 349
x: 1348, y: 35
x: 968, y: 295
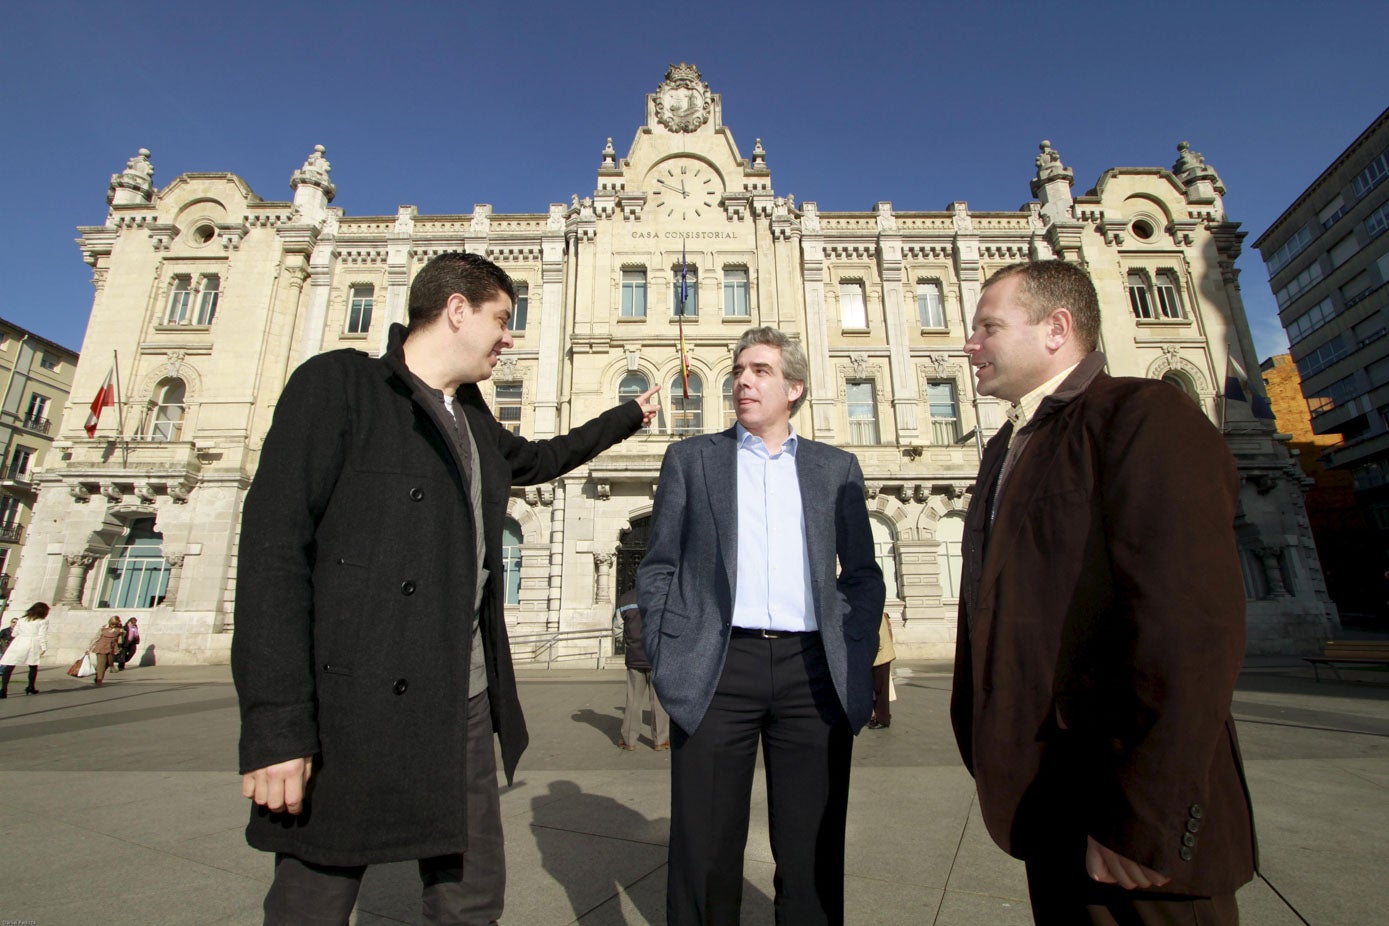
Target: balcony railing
x: 37, y: 423
x: 10, y: 533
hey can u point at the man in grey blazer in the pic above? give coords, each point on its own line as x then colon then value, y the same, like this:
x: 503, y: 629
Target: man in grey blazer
x: 761, y: 598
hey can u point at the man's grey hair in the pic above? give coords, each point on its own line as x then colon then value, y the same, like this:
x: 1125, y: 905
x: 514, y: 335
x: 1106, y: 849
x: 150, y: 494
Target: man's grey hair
x: 794, y: 366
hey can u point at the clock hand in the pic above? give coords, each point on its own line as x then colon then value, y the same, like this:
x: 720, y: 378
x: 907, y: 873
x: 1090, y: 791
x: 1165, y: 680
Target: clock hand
x: 669, y: 187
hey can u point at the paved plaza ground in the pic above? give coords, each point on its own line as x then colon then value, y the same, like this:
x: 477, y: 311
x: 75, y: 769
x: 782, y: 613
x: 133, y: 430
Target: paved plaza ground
x: 122, y: 805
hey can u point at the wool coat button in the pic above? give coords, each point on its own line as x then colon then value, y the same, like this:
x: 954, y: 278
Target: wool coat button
x: 400, y: 686
x: 1185, y: 853
x: 407, y: 588
x: 1193, y: 825
x: 417, y: 493
x: 1196, y: 812
x: 1188, y: 839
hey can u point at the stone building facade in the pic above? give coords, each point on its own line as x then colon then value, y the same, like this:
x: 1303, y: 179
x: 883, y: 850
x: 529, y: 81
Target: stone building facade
x: 212, y: 296
x: 38, y: 375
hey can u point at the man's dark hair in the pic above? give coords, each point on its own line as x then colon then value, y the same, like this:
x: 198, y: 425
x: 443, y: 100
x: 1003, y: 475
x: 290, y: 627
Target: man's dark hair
x: 1054, y: 284
x: 472, y: 276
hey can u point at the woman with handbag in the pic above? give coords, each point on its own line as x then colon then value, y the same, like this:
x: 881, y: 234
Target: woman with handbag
x: 29, y: 643
x: 105, y: 645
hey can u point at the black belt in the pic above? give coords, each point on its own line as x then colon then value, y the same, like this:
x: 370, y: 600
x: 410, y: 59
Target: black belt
x: 771, y: 634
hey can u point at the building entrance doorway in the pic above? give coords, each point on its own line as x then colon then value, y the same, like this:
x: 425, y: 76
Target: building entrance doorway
x: 630, y: 551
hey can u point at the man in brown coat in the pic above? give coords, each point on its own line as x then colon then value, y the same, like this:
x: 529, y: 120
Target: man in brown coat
x: 1101, y: 623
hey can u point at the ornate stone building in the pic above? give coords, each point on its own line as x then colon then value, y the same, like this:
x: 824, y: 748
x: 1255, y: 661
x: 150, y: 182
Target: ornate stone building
x: 211, y: 296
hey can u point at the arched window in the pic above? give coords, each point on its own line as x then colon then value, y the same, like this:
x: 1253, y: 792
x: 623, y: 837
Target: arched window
x: 167, y: 421
x: 1169, y: 295
x: 631, y: 386
x: 885, y: 552
x: 950, y: 534
x: 137, y: 575
x: 1173, y: 378
x: 511, y: 560
x: 730, y: 410
x: 1139, y: 299
x: 686, y: 415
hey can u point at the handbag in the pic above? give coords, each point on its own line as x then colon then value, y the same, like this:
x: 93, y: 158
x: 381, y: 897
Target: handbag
x: 73, y: 669
x: 85, y: 669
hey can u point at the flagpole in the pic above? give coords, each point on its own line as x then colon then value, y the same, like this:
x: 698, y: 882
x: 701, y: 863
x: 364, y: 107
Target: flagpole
x: 120, y: 414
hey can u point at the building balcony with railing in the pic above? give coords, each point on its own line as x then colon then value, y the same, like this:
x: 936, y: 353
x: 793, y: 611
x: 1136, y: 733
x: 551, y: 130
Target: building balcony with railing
x: 11, y: 533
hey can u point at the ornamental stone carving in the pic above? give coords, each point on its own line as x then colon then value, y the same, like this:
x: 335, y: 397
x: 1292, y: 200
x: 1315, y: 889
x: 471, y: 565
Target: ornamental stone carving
x: 135, y: 183
x: 960, y: 217
x: 759, y: 156
x: 1172, y: 361
x: 314, y: 173
x: 1049, y: 166
x: 505, y: 371
x: 482, y: 219
x: 683, y: 101
x: 609, y: 154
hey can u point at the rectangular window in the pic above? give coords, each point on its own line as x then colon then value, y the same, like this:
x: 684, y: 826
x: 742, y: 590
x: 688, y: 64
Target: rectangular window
x: 521, y: 309
x: 853, y: 313
x: 1323, y: 356
x: 863, y: 414
x: 508, y: 406
x: 1299, y: 284
x: 48, y: 361
x: 685, y: 293
x: 1369, y: 331
x: 1378, y: 221
x: 209, y: 292
x: 735, y: 293
x: 1337, y: 394
x: 1372, y: 175
x: 945, y: 412
x: 1294, y: 246
x: 19, y: 464
x: 9, y: 511
x: 634, y: 294
x: 1169, y: 301
x: 1139, y: 300
x: 360, y: 300
x: 929, y: 304
x: 180, y: 296
x: 1331, y: 213
x: 1311, y: 320
x: 1357, y: 288
x: 1344, y: 250
x: 36, y: 418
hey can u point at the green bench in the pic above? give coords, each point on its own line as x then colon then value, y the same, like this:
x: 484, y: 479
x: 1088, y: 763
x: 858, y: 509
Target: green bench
x: 1350, y: 653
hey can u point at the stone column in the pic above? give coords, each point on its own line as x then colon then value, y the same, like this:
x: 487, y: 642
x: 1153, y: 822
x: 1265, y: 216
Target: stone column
x: 175, y: 562
x: 602, y: 563
x: 73, y: 584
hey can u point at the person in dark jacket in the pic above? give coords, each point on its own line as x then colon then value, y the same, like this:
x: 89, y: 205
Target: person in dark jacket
x: 370, y: 652
x: 1101, y: 625
x: 640, y: 691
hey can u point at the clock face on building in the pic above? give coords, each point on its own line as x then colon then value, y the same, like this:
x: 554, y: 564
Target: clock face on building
x: 684, y: 188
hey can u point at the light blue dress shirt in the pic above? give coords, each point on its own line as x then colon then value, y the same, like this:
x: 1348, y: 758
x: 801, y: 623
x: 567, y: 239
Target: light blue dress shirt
x: 773, y: 590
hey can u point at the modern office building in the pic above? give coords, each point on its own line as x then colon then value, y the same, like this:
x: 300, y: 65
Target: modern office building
x: 210, y: 296
x: 1328, y: 263
x: 38, y: 377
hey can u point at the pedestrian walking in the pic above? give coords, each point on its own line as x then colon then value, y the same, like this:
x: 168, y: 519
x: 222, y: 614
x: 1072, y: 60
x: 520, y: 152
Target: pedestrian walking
x: 30, y: 642
x: 882, y: 678
x: 105, y: 645
x: 131, y: 644
x: 640, y: 691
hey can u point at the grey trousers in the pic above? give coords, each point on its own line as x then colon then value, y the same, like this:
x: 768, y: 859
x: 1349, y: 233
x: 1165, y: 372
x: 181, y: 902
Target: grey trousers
x: 641, y: 694
x: 467, y: 889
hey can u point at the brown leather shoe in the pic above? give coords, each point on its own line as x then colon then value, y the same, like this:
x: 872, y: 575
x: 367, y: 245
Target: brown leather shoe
x: 622, y: 744
x: 659, y: 747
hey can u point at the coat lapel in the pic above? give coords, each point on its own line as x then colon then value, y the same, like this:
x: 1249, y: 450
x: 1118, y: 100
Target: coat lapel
x: 720, y: 456
x: 820, y: 545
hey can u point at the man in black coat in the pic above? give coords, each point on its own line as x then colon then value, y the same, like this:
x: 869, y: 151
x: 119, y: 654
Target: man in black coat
x: 370, y: 653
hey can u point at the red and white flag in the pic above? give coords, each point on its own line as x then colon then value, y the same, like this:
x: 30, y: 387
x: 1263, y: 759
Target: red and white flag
x: 105, y: 398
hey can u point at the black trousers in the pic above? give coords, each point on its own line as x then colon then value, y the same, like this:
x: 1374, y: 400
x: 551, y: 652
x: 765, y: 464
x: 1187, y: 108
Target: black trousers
x: 778, y: 692
x: 466, y: 889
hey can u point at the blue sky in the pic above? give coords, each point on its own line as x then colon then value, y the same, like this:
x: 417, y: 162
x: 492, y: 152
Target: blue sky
x: 443, y: 105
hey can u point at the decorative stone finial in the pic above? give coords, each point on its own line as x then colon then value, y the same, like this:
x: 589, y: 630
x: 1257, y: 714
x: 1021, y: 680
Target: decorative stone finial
x: 1049, y: 166
x: 314, y: 172
x: 1191, y: 168
x: 609, y: 154
x: 887, y: 222
x: 135, y: 184
x: 759, y: 156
